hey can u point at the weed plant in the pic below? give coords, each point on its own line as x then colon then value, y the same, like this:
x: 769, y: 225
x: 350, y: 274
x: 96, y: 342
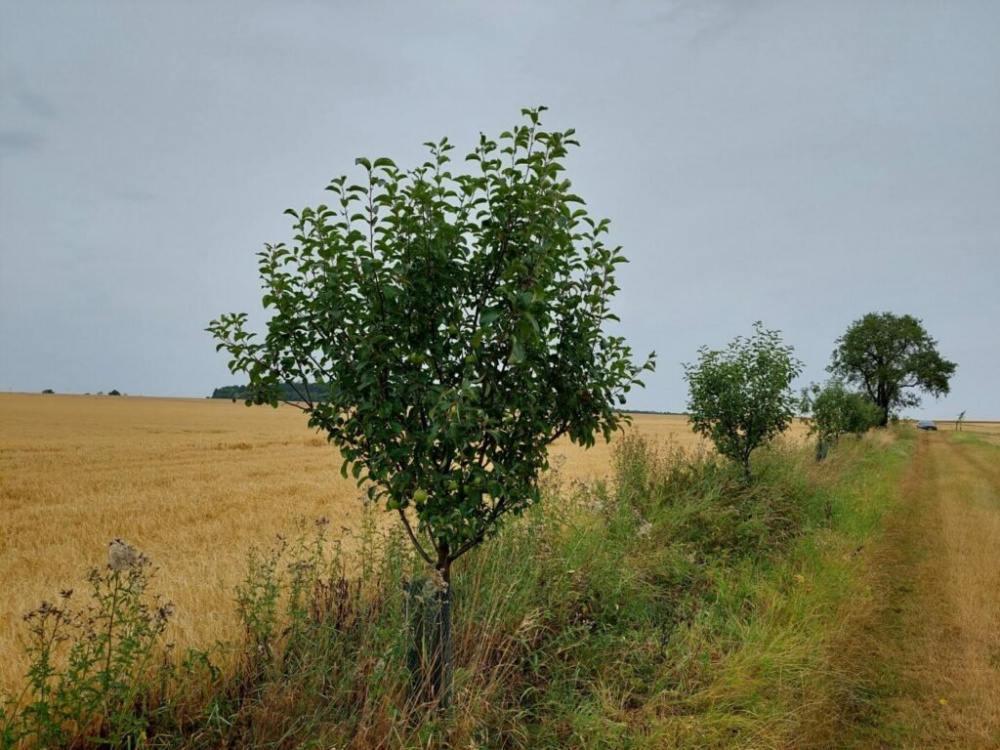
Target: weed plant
x: 87, y: 661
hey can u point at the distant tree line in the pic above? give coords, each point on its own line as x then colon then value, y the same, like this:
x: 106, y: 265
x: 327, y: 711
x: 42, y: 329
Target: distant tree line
x: 286, y: 392
x: 112, y: 392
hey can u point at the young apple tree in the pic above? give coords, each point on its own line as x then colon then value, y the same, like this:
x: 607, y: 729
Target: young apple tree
x: 740, y: 397
x: 455, y: 327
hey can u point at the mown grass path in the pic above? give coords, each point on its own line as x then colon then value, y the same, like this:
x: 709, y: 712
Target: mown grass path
x: 931, y: 652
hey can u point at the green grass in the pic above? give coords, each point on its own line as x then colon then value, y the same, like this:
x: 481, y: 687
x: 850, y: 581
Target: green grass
x: 969, y: 437
x: 670, y: 607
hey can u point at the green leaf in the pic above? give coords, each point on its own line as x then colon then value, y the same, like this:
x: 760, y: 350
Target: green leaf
x: 517, y: 354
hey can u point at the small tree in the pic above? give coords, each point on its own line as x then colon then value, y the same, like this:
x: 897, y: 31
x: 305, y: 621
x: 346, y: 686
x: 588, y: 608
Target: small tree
x: 455, y: 326
x: 960, y: 420
x: 740, y: 397
x: 886, y: 355
x: 837, y: 411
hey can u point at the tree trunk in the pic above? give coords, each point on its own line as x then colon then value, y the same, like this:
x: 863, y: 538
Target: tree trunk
x: 442, y: 669
x: 882, y: 399
x: 822, y: 449
x: 428, y: 605
x: 443, y: 666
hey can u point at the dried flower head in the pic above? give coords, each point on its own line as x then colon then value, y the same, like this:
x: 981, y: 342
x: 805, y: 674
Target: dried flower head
x: 123, y: 557
x: 163, y: 613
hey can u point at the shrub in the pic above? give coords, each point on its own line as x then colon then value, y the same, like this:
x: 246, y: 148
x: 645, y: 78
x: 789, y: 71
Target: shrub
x: 740, y: 397
x: 838, y: 411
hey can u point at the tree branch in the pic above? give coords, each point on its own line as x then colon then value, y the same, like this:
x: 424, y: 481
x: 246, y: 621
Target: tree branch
x: 413, y: 537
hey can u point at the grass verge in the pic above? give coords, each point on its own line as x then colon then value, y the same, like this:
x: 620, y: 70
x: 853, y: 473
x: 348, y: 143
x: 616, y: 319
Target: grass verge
x: 669, y: 607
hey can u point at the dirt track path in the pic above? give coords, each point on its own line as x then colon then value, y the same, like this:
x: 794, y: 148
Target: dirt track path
x: 933, y: 666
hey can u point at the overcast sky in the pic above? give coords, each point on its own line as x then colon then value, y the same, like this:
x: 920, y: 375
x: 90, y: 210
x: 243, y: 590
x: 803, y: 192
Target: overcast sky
x: 800, y: 163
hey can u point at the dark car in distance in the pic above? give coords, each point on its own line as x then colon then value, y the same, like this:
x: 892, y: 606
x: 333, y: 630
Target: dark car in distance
x: 926, y: 424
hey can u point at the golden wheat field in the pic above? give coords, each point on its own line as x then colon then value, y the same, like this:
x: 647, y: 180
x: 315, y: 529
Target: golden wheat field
x: 192, y: 483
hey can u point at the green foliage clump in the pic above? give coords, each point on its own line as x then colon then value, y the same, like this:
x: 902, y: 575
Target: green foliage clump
x: 740, y: 397
x: 835, y: 410
x: 887, y: 355
x: 457, y: 323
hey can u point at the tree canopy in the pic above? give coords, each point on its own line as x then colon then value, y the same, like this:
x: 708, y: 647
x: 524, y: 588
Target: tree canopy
x: 887, y: 356
x: 836, y: 410
x: 456, y: 324
x: 741, y: 397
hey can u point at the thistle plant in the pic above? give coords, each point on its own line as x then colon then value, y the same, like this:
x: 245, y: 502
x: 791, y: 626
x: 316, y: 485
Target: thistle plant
x: 89, y: 666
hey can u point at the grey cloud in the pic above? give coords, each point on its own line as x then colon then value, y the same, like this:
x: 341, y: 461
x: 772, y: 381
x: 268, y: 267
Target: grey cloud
x: 135, y: 196
x: 19, y: 142
x: 704, y: 20
x: 36, y: 104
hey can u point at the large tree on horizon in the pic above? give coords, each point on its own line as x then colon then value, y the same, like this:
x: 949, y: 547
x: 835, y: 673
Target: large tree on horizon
x: 887, y: 356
